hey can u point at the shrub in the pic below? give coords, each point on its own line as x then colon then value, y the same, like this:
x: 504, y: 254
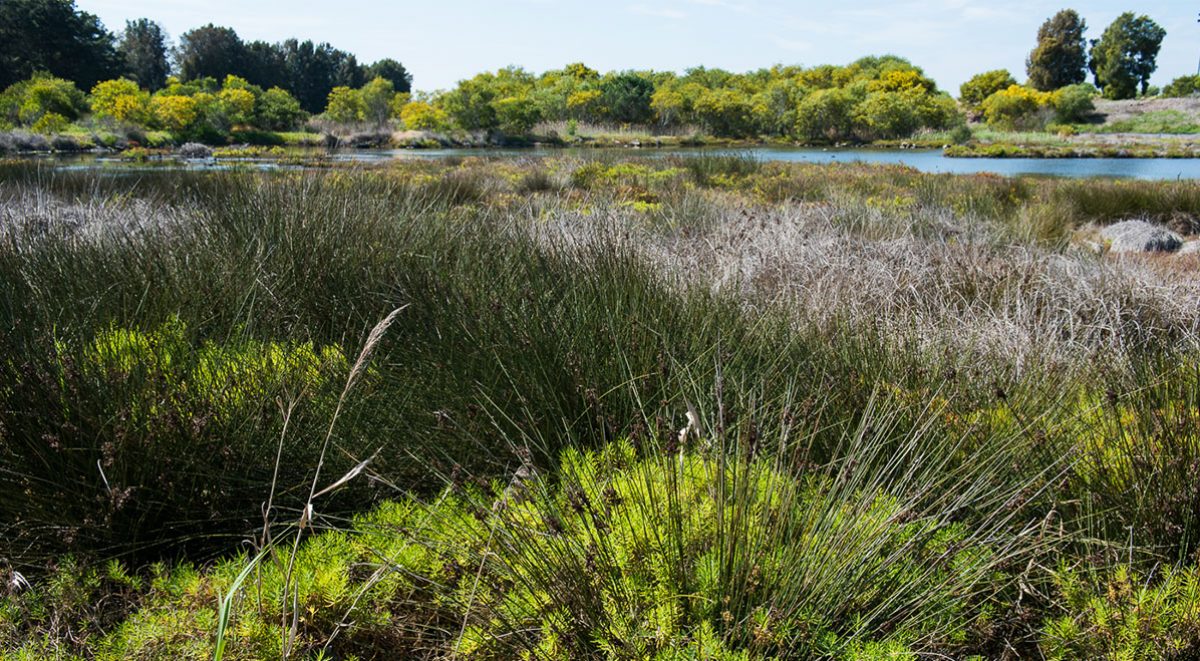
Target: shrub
x: 174, y: 112
x: 421, y: 116
x: 1017, y: 107
x: 1118, y: 614
x: 1182, y: 86
x: 278, y: 110
x: 121, y: 100
x: 825, y: 115
x: 237, y: 105
x: 50, y: 123
x: 345, y: 105
x: 982, y: 85
x: 1073, y: 104
x: 24, y: 103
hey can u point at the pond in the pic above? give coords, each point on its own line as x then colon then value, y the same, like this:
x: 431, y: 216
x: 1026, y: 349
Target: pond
x: 925, y: 160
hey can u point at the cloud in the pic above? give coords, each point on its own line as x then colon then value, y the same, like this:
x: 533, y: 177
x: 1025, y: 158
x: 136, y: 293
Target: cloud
x: 658, y: 12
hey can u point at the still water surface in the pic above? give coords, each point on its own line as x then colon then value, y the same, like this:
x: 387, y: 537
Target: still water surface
x: 925, y: 160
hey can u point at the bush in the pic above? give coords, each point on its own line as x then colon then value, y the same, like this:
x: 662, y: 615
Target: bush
x: 345, y: 105
x: 50, y: 123
x: 278, y: 110
x: 976, y: 90
x: 1182, y: 86
x: 421, y: 116
x: 26, y: 102
x: 1017, y: 107
x: 1120, y: 615
x: 1073, y: 104
x: 141, y: 391
x: 121, y: 100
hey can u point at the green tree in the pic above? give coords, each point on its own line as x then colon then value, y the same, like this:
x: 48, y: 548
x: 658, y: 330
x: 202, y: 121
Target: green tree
x: 376, y: 97
x: 278, y: 110
x: 626, y: 97
x: 144, y: 47
x: 825, y: 115
x: 345, y: 105
x: 1060, y: 57
x: 210, y: 51
x: 725, y: 112
x: 53, y: 36
x: 982, y: 85
x: 47, y: 95
x: 1125, y: 55
x: 393, y: 72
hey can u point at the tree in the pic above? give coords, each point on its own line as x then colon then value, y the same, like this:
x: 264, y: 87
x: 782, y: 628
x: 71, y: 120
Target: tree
x: 626, y: 97
x: 210, y: 51
x: 53, y: 36
x: 1059, y: 59
x: 393, y: 72
x: 982, y: 85
x: 144, y: 47
x: 313, y: 70
x: 278, y: 111
x: 345, y: 105
x: 1125, y: 55
x: 377, y: 97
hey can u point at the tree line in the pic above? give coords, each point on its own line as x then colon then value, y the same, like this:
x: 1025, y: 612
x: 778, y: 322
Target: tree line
x: 55, y: 37
x: 1121, y: 61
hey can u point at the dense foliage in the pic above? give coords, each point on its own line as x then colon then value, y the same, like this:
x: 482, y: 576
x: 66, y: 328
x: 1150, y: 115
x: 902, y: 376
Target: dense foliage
x: 655, y: 408
x: 1124, y: 57
x: 872, y: 98
x: 1060, y: 58
x: 54, y: 36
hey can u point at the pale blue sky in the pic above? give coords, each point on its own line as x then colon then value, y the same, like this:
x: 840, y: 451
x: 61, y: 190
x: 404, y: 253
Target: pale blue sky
x: 443, y: 41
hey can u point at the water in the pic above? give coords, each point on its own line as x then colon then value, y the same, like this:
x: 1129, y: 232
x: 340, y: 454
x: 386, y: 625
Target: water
x: 925, y: 160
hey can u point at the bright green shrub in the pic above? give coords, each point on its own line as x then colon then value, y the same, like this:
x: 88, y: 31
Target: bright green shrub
x: 1182, y: 86
x: 278, y: 110
x: 825, y: 115
x: 26, y: 102
x: 1122, y: 615
x: 345, y: 105
x: 982, y: 85
x: 1072, y: 104
x: 50, y: 123
x: 725, y: 112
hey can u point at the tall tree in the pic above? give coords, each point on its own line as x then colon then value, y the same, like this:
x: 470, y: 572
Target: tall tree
x: 211, y: 51
x: 1125, y: 55
x: 144, y: 47
x: 1060, y: 57
x: 52, y: 35
x: 392, y: 71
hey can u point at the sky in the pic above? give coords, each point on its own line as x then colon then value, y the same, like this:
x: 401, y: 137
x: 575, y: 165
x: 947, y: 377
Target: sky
x: 444, y: 41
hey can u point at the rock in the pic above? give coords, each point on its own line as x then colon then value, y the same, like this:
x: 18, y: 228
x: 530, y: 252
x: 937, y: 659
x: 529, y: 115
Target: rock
x: 196, y: 150
x: 1140, y: 236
